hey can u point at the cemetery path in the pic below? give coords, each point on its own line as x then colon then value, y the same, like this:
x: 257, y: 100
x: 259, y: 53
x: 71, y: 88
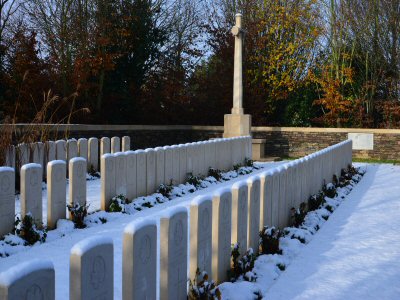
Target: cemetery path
x: 58, y: 249
x: 356, y: 254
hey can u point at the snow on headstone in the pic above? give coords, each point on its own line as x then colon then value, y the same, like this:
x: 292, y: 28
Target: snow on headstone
x: 168, y: 171
x: 56, y: 196
x: 221, y: 240
x: 150, y: 171
x: 91, y: 273
x: 126, y: 143
x: 254, y: 212
x: 131, y: 183
x: 182, y: 163
x: 31, y: 192
x: 120, y: 173
x: 240, y: 215
x: 29, y: 280
x: 83, y: 148
x: 77, y: 181
x: 200, y: 235
x: 7, y: 200
x: 107, y: 180
x: 160, y: 166
x: 139, y: 260
x: 23, y: 155
x: 115, y: 144
x: 141, y: 173
x: 61, y: 150
x: 93, y: 154
x: 173, y: 254
x: 72, y: 149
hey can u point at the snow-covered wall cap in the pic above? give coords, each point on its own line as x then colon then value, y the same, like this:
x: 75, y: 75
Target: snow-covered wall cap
x: 238, y: 185
x: 19, y: 271
x: 31, y: 166
x: 87, y: 244
x: 6, y: 169
x: 76, y: 160
x: 201, y: 199
x: 56, y: 162
x: 135, y: 226
x: 173, y: 211
x: 220, y: 192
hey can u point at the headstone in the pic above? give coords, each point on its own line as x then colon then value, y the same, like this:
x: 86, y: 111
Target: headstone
x: 10, y: 156
x: 236, y: 151
x: 221, y: 240
x: 77, y: 181
x: 240, y: 215
x: 29, y: 280
x: 211, y: 150
x: 115, y: 144
x: 23, y: 155
x: 72, y: 149
x: 120, y: 173
x: 37, y: 152
x: 61, y: 150
x: 131, y: 176
x: 169, y: 163
x: 284, y: 211
x: 219, y: 153
x: 254, y: 212
x: 266, y: 199
x: 173, y: 255
x: 93, y: 154
x: 105, y: 146
x: 175, y: 165
x: 139, y: 261
x: 31, y: 192
x: 83, y: 148
x: 126, y: 143
x: 150, y: 171
x: 160, y: 166
x: 199, y: 160
x: 56, y: 192
x: 182, y: 163
x: 91, y: 272
x: 7, y: 200
x: 141, y: 173
x: 200, y: 236
x: 203, y: 166
x: 49, y: 155
x: 190, y: 155
x: 107, y: 180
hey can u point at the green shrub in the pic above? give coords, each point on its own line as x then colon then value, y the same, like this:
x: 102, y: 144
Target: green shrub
x: 242, y: 266
x: 315, y: 201
x: 78, y: 213
x: 202, y: 289
x: 298, y: 215
x: 270, y: 240
x: 329, y: 190
x: 194, y: 180
x: 118, y: 203
x: 248, y: 162
x: 215, y: 173
x: 26, y: 229
x: 165, y: 190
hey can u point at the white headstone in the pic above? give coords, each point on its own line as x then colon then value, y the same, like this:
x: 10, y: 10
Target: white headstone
x: 83, y: 148
x: 10, y: 156
x: 93, y: 154
x: 56, y: 192
x: 23, y: 154
x: 126, y: 143
x: 91, y: 272
x: 175, y: 165
x: 120, y: 173
x: 173, y: 255
x: 284, y: 210
x: 7, y: 200
x: 131, y: 183
x: 160, y: 166
x: 254, y: 212
x: 266, y: 199
x: 28, y: 280
x: 139, y: 261
x: 240, y: 215
x: 49, y: 155
x: 105, y: 146
x: 77, y: 181
x: 151, y: 171
x: 72, y: 149
x: 190, y: 155
x: 200, y: 236
x: 107, y: 180
x: 115, y: 144
x: 61, y: 150
x: 31, y: 192
x: 182, y: 163
x: 141, y: 173
x: 275, y: 199
x: 221, y: 240
x: 169, y: 165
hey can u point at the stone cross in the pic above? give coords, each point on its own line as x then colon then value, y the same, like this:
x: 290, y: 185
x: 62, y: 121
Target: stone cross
x: 238, y: 33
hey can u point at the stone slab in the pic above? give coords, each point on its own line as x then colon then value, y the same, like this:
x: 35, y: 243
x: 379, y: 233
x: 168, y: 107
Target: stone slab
x: 56, y: 195
x: 23, y: 155
x: 7, y: 200
x: 105, y: 146
x: 10, y: 156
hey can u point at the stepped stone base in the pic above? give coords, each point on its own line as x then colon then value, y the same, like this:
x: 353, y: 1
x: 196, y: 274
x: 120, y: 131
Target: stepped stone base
x: 237, y: 125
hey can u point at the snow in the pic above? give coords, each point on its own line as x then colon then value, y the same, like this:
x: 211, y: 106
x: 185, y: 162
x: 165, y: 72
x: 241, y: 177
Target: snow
x: 55, y: 162
x: 83, y: 246
x: 30, y: 166
x: 134, y: 226
x: 23, y: 269
x: 2, y: 169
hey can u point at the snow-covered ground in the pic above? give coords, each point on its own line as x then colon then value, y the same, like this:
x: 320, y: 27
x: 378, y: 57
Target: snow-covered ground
x: 355, y: 255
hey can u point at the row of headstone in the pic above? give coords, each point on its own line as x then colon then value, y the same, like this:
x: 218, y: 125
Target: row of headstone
x: 231, y: 215
x: 42, y: 153
x: 141, y: 172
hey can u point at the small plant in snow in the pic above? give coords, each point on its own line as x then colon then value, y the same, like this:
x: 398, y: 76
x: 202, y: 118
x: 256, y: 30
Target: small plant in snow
x: 92, y: 172
x: 298, y: 215
x: 269, y: 238
x: 118, y: 203
x: 237, y: 167
x: 27, y: 230
x: 215, y: 173
x: 248, y: 162
x: 202, y: 289
x: 315, y: 201
x: 194, y: 180
x: 242, y: 267
x: 281, y: 266
x: 78, y: 213
x: 329, y: 190
x: 165, y: 190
